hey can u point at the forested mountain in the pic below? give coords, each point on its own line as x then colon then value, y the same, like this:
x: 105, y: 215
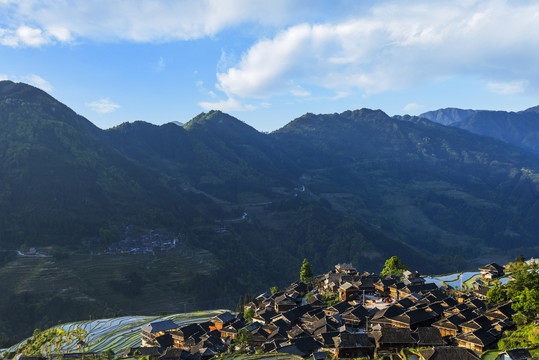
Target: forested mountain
x: 357, y: 187
x: 517, y: 128
x: 61, y: 182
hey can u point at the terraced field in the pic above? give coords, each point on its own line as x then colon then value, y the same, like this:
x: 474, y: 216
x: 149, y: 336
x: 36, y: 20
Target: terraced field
x: 462, y: 280
x: 117, y: 334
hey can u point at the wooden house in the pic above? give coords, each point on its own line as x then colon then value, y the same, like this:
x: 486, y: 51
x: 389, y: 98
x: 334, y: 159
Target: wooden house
x: 412, y: 319
x: 220, y: 321
x: 393, y: 339
x: 345, y: 268
x: 355, y: 317
x: 150, y: 332
x: 429, y: 336
x: 491, y: 271
x: 353, y: 346
x: 348, y: 292
x: 478, y: 340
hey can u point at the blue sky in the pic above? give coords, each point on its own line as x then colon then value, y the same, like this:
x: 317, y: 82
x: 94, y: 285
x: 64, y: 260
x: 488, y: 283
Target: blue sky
x: 268, y: 62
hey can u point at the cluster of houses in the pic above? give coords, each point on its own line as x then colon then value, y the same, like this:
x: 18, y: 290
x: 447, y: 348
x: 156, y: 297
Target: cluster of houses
x: 149, y: 243
x: 369, y: 315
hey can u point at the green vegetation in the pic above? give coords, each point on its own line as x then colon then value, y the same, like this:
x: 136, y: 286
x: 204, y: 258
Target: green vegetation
x: 524, y: 337
x: 496, y: 295
x: 306, y: 272
x: 393, y: 266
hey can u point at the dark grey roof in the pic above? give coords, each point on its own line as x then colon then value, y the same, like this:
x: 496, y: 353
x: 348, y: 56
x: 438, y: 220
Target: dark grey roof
x: 165, y: 340
x: 158, y: 326
x: 352, y: 341
x: 518, y: 354
x: 492, y: 267
x: 394, y: 336
x: 224, y: 317
x: 429, y: 336
x: 448, y: 353
x: 480, y: 322
x: 478, y: 337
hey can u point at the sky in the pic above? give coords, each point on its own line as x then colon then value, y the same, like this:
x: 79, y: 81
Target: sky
x: 269, y: 62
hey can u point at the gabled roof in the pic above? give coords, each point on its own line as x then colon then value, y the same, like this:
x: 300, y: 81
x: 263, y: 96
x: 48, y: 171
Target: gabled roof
x: 352, y: 341
x: 429, y: 336
x: 165, y: 341
x: 394, y: 336
x: 159, y: 326
x: 518, y: 354
x: 224, y: 317
x: 448, y: 353
x: 451, y: 323
x: 479, y: 337
x: 480, y: 322
x: 357, y: 312
x: 389, y: 312
x: 413, y: 317
x: 348, y: 286
x: 328, y: 338
x: 340, y: 307
x: 189, y: 330
x: 501, y: 312
x: 492, y: 267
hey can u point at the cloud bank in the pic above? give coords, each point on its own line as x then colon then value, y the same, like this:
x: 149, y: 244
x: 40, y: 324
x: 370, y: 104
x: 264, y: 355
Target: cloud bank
x: 395, y: 46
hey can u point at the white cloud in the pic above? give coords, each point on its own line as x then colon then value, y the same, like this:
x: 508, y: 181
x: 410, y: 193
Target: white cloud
x: 230, y: 104
x: 395, y: 46
x: 412, y: 107
x: 32, y: 79
x: 507, y: 88
x: 38, y: 82
x: 132, y: 20
x: 103, y: 106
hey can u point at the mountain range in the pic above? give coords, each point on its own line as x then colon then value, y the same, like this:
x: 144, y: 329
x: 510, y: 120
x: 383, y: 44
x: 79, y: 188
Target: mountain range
x: 517, y: 128
x: 359, y: 186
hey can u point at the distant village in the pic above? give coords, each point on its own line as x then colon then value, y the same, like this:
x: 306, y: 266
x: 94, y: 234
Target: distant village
x: 151, y: 242
x: 346, y: 314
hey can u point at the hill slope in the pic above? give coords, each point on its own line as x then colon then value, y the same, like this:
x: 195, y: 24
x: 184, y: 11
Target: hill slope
x: 352, y: 187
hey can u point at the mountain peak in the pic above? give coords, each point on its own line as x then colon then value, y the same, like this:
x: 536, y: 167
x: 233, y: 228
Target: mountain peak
x: 448, y: 116
x: 219, y: 122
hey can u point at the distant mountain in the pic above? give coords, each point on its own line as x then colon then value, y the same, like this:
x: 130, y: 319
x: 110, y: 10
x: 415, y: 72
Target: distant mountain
x: 177, y: 123
x: 448, y: 116
x: 517, y: 128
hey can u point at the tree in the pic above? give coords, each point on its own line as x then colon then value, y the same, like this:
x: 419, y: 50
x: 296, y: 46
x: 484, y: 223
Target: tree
x: 306, y: 272
x: 520, y: 259
x: 394, y: 266
x: 248, y: 315
x: 244, y: 339
x: 274, y: 290
x: 496, y: 295
x: 527, y: 302
x: 109, y: 353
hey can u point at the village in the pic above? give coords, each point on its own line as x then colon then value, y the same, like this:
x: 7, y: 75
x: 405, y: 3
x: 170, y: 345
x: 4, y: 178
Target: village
x: 347, y: 314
